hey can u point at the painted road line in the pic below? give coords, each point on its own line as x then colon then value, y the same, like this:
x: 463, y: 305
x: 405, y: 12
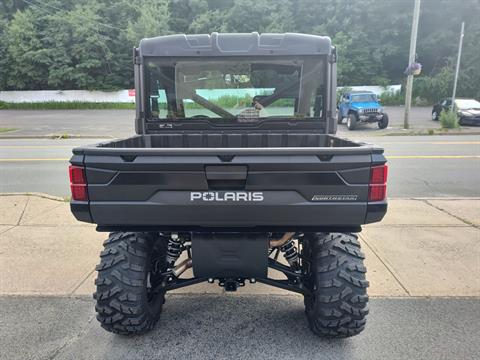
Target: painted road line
x: 36, y: 147
x: 455, y: 143
x: 433, y: 157
x: 428, y: 143
x: 34, y: 159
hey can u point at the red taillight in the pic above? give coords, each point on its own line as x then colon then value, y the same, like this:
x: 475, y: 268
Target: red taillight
x: 377, y: 192
x: 79, y: 192
x: 78, y: 183
x: 378, y: 174
x: 77, y: 174
x: 378, y: 183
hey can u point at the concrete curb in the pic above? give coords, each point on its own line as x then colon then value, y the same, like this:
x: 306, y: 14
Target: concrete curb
x: 424, y: 132
x: 438, y: 198
x: 40, y: 195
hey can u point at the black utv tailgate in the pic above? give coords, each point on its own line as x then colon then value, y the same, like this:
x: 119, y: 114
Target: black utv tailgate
x: 274, y: 188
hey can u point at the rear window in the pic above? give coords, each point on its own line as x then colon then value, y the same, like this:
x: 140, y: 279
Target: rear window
x: 364, y: 98
x: 238, y: 90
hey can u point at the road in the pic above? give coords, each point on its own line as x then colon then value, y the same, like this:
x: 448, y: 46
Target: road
x: 119, y: 123
x: 116, y: 123
x: 420, y: 166
x: 239, y: 327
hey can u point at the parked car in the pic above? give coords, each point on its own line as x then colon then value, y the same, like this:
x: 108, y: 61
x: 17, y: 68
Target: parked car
x: 361, y: 107
x: 468, y: 110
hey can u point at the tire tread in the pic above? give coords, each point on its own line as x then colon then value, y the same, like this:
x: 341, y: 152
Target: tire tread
x: 337, y: 280
x: 121, y: 296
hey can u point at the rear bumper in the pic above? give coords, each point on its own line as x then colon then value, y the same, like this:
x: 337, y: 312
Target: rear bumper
x: 465, y: 120
x: 162, y: 216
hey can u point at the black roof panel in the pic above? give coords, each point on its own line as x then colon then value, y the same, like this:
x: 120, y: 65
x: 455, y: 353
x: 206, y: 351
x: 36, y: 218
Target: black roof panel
x: 244, y: 44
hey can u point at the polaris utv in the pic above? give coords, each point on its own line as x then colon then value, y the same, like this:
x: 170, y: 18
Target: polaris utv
x: 235, y: 170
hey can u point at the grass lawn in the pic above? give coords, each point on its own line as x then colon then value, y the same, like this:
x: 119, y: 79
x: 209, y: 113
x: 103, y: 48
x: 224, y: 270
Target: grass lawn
x: 57, y: 105
x: 4, y: 130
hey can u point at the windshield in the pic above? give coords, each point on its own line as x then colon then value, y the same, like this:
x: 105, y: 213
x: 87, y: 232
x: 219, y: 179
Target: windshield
x: 234, y: 90
x: 465, y: 104
x: 364, y: 98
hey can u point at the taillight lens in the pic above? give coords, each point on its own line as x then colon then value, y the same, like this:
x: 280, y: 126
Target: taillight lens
x: 78, y: 183
x: 378, y: 183
x: 378, y: 174
x: 79, y: 192
x: 77, y: 174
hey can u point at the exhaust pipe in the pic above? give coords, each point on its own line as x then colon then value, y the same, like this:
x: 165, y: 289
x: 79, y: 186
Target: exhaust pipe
x: 182, y: 267
x: 279, y: 242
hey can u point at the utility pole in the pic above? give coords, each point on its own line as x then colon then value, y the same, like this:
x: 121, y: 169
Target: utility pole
x: 458, y: 65
x: 411, y: 59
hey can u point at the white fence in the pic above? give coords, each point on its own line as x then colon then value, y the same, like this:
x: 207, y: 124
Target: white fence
x: 39, y: 96
x: 375, y: 89
x: 121, y: 96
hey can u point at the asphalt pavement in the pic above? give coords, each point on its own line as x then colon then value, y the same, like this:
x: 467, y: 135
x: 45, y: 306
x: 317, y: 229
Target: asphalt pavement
x: 420, y: 166
x: 107, y: 123
x: 120, y: 123
x: 239, y: 327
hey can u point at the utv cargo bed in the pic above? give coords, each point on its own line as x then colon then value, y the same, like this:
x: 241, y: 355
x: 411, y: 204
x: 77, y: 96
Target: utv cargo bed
x: 199, y: 181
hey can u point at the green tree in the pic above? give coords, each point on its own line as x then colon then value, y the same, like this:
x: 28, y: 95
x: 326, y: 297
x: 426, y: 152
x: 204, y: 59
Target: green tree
x: 208, y: 22
x: 26, y: 60
x: 3, y: 53
x: 87, y: 44
x: 180, y: 15
x: 152, y: 20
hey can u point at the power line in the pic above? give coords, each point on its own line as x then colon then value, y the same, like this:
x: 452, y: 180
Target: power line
x: 37, y: 2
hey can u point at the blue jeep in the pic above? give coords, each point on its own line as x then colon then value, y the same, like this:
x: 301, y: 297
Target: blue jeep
x: 361, y: 107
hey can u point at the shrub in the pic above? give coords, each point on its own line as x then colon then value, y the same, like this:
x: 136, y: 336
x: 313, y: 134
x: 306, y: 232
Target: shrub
x: 392, y: 98
x: 419, y: 101
x: 448, y: 120
x: 436, y: 87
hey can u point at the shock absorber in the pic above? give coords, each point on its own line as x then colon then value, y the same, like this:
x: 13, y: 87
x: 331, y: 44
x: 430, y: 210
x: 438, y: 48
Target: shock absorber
x: 290, y: 253
x: 174, y: 249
